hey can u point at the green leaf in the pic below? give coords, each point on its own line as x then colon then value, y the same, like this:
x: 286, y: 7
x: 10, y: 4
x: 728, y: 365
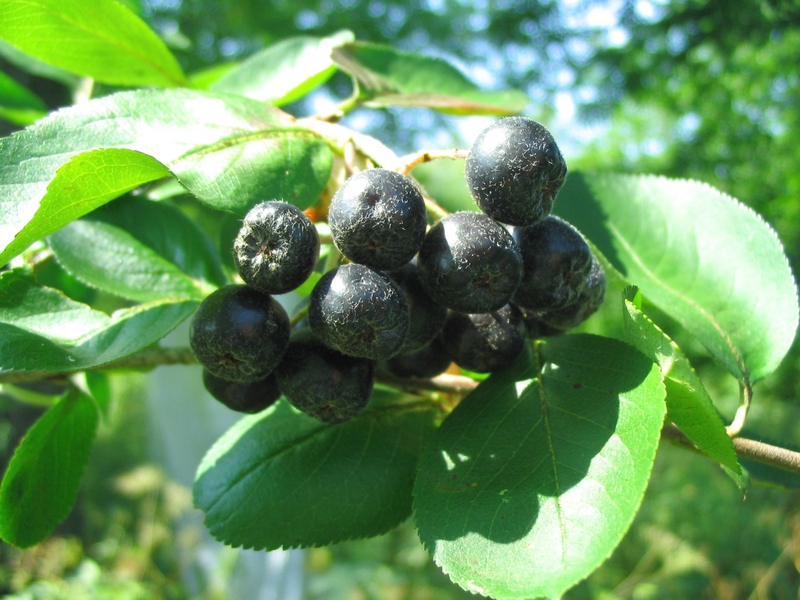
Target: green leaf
x: 285, y: 71
x: 85, y: 182
x: 43, y: 330
x: 45, y: 311
x: 42, y: 480
x: 388, y: 77
x: 531, y: 482
x: 108, y: 42
x: 230, y: 152
x: 282, y: 479
x: 141, y: 250
x: 18, y: 104
x: 688, y: 404
x: 700, y: 256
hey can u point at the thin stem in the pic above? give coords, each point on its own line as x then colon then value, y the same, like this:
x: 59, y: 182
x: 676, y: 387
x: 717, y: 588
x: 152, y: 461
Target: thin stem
x: 409, y: 161
x: 745, y: 399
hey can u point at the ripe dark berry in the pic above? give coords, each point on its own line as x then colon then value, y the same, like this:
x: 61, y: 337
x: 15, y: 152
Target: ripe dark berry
x: 277, y: 247
x: 469, y: 263
x: 360, y: 312
x: 514, y: 171
x: 239, y: 334
x: 377, y: 218
x: 427, y: 317
x: 556, y: 261
x: 322, y: 382
x: 485, y: 342
x: 243, y: 396
x: 428, y: 361
x: 589, y: 300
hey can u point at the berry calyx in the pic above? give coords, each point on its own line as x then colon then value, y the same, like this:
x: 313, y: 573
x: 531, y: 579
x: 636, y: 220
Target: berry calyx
x: 277, y: 247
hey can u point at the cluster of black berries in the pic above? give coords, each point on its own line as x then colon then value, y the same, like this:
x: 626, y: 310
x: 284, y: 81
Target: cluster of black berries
x: 470, y: 289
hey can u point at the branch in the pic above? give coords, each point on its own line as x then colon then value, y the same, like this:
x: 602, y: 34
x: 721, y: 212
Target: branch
x: 745, y: 448
x: 146, y: 359
x: 453, y: 384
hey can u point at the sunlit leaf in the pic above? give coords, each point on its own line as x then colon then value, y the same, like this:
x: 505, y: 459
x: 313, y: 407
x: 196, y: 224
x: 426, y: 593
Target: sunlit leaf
x: 85, y: 182
x: 285, y: 71
x: 700, y: 256
x: 108, y: 43
x: 230, y: 152
x: 389, y: 77
x: 532, y: 481
x: 688, y: 404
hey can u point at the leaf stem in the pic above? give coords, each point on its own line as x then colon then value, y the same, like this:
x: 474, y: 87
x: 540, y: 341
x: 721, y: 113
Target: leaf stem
x: 745, y: 399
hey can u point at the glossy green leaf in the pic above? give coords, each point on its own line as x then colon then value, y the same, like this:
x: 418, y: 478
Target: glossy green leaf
x: 285, y: 71
x: 688, y: 404
x: 531, y: 482
x: 43, y: 330
x: 42, y: 480
x: 282, y: 479
x: 141, y: 250
x: 85, y: 182
x: 230, y: 152
x: 389, y: 77
x: 106, y: 42
x: 700, y: 256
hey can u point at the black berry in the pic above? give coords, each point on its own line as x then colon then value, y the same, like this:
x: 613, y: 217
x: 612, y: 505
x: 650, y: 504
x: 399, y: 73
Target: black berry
x: 322, y: 382
x: 485, y: 342
x: 514, y: 171
x: 239, y: 334
x: 243, y: 396
x: 589, y: 300
x: 556, y: 262
x: 469, y: 263
x: 427, y: 317
x: 377, y: 218
x: 428, y: 361
x: 277, y: 247
x: 360, y: 312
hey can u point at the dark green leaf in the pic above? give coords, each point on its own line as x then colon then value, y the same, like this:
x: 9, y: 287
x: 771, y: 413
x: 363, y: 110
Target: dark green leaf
x: 43, y: 330
x: 108, y: 43
x: 230, y: 152
x: 388, y: 77
x: 285, y: 71
x: 534, y: 478
x: 700, y: 256
x: 282, y: 479
x: 688, y: 404
x: 42, y: 480
x: 85, y: 182
x: 141, y: 250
